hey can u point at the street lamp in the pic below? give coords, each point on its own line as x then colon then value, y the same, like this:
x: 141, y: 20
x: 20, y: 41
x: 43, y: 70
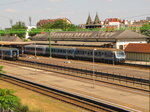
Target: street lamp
x: 35, y: 51
x: 1, y: 51
x: 93, y: 67
x: 50, y: 49
x: 67, y: 53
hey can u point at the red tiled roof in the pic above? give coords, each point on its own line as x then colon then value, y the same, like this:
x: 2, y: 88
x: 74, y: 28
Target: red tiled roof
x: 139, y: 47
x: 113, y: 20
x: 43, y: 21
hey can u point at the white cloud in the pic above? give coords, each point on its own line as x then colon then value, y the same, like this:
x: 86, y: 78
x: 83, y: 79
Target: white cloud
x: 109, y: 0
x: 10, y: 10
x: 55, y: 0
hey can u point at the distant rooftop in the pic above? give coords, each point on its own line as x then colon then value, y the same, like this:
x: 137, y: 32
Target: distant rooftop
x: 44, y: 21
x: 11, y: 38
x: 138, y: 48
x: 87, y: 35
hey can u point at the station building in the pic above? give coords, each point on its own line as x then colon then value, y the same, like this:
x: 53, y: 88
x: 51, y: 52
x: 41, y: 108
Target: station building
x: 116, y: 39
x: 138, y: 52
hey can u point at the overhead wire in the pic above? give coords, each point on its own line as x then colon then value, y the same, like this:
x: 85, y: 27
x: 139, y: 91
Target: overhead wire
x: 137, y: 16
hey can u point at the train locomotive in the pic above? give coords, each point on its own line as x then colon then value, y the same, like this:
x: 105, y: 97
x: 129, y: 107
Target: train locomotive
x: 9, y: 53
x: 99, y: 54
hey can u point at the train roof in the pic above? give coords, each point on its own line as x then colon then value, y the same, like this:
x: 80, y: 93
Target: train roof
x: 89, y: 48
x: 8, y: 48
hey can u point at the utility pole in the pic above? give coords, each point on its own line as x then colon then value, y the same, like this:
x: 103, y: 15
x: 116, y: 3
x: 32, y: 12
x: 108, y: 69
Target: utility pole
x: 94, y: 67
x: 30, y: 20
x: 50, y: 49
x: 11, y: 22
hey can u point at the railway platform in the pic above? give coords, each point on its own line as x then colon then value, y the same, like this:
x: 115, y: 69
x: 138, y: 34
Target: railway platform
x: 138, y: 63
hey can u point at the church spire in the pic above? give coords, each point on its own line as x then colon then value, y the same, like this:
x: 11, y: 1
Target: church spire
x: 97, y: 21
x: 89, y: 20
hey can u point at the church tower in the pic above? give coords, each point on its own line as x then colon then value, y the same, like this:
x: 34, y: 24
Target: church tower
x: 97, y: 21
x: 93, y: 24
x: 89, y: 20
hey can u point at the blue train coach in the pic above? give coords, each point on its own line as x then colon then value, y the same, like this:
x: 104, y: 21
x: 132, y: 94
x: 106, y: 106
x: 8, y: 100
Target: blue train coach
x: 9, y: 53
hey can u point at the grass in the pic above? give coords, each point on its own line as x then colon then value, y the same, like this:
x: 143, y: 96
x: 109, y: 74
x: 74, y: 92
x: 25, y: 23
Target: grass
x: 39, y: 103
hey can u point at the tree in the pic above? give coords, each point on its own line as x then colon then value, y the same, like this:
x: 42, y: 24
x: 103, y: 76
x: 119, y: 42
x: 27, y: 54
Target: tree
x: 19, y: 26
x: 46, y: 26
x: 33, y: 32
x: 145, y: 29
x: 59, y: 24
x: 8, y: 101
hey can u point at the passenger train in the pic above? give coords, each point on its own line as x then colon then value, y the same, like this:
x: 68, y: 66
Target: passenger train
x: 9, y: 53
x: 98, y: 54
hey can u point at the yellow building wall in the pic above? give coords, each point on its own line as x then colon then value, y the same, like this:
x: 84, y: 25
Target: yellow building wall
x: 138, y: 56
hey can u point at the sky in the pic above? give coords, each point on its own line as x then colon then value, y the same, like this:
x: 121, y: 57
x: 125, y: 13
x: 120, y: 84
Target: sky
x: 75, y: 10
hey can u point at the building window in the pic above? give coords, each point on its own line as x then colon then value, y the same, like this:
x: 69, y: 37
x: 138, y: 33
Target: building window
x: 121, y: 47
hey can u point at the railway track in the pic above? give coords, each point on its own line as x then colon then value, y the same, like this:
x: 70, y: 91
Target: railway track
x: 77, y: 100
x: 119, y: 80
x: 129, y: 64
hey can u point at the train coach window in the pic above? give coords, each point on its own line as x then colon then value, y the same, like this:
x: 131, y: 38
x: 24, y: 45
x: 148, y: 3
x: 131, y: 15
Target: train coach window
x: 90, y: 53
x: 78, y: 52
x: 96, y: 53
x: 108, y: 54
x: 70, y: 51
x: 82, y: 52
x: 99, y: 53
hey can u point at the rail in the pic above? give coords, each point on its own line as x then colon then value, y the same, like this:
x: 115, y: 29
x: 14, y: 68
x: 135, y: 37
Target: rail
x: 98, y: 73
x: 83, y: 102
x: 99, y: 76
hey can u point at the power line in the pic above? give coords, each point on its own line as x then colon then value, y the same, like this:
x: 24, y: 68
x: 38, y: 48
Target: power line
x: 137, y: 16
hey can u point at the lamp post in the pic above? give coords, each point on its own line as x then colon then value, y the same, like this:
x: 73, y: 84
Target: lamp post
x: 67, y: 53
x: 93, y: 67
x: 1, y: 52
x: 35, y: 51
x: 50, y: 50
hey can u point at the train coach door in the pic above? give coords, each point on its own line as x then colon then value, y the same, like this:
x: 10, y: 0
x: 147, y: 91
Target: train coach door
x: 14, y: 54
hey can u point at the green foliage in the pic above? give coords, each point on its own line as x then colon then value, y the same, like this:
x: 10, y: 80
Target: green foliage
x: 46, y: 26
x: 145, y: 29
x: 8, y: 101
x: 60, y: 24
x: 1, y: 69
x: 19, y: 26
x: 33, y: 32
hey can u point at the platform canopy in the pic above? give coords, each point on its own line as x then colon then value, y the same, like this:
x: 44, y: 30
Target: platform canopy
x: 14, y: 43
